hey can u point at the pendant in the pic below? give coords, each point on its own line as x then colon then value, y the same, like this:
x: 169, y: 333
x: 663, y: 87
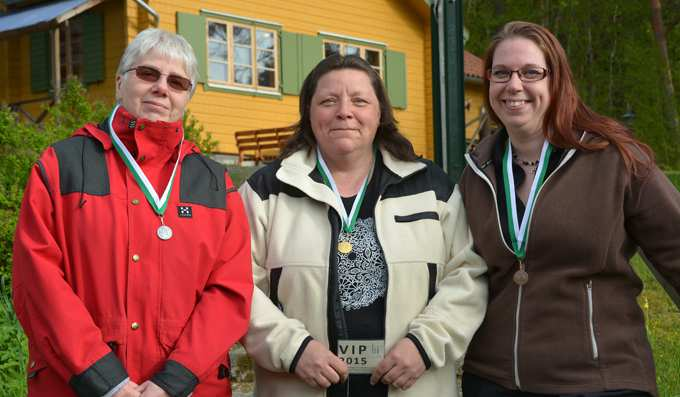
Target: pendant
x: 344, y: 247
x: 164, y: 232
x: 521, y: 276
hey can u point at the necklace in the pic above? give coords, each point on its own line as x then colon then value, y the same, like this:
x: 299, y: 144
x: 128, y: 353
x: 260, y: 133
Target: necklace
x: 532, y: 164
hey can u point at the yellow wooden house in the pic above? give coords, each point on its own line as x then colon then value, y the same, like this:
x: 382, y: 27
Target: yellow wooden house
x: 253, y: 55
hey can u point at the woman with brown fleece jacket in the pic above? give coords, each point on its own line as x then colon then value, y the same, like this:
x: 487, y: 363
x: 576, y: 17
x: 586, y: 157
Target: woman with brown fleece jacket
x: 558, y: 202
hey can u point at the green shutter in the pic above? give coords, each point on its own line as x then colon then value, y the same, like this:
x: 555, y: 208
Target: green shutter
x: 93, y: 47
x: 395, y: 78
x: 40, y: 61
x: 311, y: 54
x: 193, y: 28
x: 290, y: 63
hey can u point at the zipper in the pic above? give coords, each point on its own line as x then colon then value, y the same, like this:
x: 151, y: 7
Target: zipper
x: 515, y: 352
x: 481, y: 174
x: 593, y: 341
x: 495, y: 198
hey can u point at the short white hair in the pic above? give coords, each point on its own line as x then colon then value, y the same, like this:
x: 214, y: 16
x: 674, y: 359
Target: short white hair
x: 163, y: 43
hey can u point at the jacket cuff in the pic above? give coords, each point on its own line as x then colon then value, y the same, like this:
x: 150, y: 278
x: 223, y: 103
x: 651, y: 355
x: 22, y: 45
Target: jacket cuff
x: 301, y: 350
x: 175, y: 379
x: 102, y: 376
x: 421, y: 350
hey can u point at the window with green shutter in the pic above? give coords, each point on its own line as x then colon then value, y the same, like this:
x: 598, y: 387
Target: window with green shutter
x: 235, y: 54
x: 390, y: 65
x: 86, y: 60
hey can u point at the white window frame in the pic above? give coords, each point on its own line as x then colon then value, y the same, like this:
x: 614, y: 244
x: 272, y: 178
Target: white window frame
x: 362, y: 52
x: 230, y: 82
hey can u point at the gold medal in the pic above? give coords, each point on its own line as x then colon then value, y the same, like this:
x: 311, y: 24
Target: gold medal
x: 344, y: 247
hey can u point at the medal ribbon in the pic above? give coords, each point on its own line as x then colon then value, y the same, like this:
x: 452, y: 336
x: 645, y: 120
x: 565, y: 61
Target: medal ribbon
x: 159, y: 204
x: 348, y: 220
x: 518, y: 232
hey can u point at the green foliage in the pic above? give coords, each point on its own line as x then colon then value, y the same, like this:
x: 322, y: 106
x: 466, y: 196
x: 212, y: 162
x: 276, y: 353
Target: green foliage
x: 193, y: 131
x: 13, y: 352
x: 20, y: 146
x: 674, y: 177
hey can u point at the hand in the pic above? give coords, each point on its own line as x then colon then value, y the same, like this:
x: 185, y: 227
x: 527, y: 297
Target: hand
x: 150, y: 389
x: 129, y: 390
x: 319, y: 367
x: 401, y: 367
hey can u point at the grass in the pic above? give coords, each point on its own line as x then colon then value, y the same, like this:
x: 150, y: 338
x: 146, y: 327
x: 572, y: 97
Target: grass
x: 663, y: 330
x: 13, y: 352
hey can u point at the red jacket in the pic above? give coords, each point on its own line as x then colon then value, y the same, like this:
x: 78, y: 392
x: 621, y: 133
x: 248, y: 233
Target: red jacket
x: 100, y: 296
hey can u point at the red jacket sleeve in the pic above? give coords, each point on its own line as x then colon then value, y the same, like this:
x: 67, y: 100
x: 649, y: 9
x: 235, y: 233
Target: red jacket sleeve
x: 62, y: 333
x: 221, y: 317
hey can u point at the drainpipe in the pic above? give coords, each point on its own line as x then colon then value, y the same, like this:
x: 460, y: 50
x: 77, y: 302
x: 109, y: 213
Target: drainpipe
x: 449, y: 101
x: 154, y: 14
x: 436, y: 85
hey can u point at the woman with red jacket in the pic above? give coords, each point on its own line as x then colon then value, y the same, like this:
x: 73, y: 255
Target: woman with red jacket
x: 132, y: 253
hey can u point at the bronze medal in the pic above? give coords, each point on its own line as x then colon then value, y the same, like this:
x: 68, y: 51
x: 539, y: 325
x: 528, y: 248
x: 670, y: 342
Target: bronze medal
x: 344, y: 247
x: 520, y: 277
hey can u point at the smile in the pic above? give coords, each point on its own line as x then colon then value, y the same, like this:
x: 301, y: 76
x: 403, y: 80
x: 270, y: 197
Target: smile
x: 515, y: 103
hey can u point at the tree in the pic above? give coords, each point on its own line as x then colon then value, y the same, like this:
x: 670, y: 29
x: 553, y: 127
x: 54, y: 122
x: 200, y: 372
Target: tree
x: 669, y: 107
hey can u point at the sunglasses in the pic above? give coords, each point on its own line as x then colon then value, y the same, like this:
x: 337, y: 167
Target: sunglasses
x: 147, y: 73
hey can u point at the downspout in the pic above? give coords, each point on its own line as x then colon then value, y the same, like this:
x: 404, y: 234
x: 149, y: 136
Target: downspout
x: 454, y: 91
x: 150, y: 10
x: 436, y: 85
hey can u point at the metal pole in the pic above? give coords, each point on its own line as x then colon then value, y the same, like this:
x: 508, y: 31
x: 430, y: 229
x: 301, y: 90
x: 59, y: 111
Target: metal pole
x: 454, y: 92
x: 436, y: 81
x: 56, y: 64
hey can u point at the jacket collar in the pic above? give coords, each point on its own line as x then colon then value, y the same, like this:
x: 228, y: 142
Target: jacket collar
x: 482, y: 156
x: 299, y: 170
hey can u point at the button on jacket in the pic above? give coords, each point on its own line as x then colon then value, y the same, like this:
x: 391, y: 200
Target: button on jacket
x: 436, y: 288
x: 575, y: 326
x: 100, y: 296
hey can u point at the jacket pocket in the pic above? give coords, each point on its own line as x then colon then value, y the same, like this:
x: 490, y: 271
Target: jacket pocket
x: 169, y: 331
x: 591, y: 322
x: 36, y: 363
x: 432, y: 285
x: 274, y: 277
x: 417, y: 216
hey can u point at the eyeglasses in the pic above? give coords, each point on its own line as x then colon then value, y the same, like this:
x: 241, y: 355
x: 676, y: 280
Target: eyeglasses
x: 147, y: 73
x: 528, y: 74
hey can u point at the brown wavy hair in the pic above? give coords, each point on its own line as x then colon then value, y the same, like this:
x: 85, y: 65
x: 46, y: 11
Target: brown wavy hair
x: 387, y: 136
x: 567, y: 115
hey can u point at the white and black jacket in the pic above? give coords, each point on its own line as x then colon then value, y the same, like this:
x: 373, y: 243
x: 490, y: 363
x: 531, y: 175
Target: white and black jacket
x: 436, y: 291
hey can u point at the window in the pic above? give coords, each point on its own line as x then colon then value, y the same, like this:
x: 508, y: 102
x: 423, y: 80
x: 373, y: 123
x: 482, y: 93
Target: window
x: 372, y: 55
x: 74, y: 62
x: 242, y: 55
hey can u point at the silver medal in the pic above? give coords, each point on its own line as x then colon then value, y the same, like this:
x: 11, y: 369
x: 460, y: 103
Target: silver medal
x: 164, y: 232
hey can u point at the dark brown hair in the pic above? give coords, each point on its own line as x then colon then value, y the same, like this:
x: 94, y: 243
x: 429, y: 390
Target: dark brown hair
x: 567, y: 115
x: 387, y: 136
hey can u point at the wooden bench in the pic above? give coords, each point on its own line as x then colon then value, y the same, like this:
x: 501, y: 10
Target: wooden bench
x: 262, y: 145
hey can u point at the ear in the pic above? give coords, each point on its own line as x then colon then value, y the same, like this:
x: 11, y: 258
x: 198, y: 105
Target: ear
x: 119, y: 82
